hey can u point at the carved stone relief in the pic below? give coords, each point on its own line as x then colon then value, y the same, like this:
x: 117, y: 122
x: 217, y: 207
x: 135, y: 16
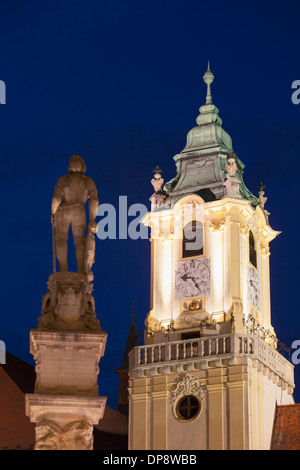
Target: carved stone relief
x: 216, y: 225
x: 77, y: 435
x: 69, y: 304
x: 186, y: 386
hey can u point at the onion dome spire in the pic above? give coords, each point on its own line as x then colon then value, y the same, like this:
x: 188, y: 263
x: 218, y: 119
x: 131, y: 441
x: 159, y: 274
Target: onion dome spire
x: 208, y: 112
x: 208, y: 79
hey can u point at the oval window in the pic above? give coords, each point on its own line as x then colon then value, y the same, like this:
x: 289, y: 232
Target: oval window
x: 188, y: 408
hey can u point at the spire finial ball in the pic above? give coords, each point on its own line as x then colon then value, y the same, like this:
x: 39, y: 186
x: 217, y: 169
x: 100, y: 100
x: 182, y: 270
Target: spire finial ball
x: 208, y: 77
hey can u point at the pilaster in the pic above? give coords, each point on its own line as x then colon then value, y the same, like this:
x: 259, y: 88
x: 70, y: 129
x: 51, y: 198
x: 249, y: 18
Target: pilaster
x: 237, y: 405
x: 138, y: 421
x: 216, y: 414
x: 235, y: 269
x: 159, y: 410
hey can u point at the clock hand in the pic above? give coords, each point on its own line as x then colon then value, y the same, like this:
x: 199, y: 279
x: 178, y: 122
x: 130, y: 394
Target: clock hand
x: 196, y: 284
x: 185, y: 277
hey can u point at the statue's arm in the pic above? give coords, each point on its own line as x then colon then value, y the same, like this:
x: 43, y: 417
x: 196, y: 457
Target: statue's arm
x: 57, y: 196
x: 93, y: 199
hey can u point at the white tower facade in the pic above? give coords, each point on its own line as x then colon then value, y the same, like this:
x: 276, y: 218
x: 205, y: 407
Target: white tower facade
x: 209, y: 375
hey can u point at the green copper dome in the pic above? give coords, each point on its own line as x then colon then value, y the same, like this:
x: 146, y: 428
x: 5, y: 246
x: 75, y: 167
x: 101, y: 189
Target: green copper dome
x: 201, y: 164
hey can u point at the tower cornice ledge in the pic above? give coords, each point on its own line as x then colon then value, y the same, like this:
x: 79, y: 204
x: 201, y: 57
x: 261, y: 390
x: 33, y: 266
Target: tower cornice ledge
x: 210, y: 353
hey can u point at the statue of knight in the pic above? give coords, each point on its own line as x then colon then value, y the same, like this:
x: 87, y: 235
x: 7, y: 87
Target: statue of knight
x: 68, y: 209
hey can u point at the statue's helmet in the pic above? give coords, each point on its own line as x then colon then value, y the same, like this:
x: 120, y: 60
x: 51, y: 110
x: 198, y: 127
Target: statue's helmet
x: 76, y: 165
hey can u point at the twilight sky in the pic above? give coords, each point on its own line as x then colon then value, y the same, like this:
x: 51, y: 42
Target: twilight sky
x: 120, y: 83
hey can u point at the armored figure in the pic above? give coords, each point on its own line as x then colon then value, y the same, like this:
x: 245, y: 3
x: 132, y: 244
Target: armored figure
x: 68, y: 209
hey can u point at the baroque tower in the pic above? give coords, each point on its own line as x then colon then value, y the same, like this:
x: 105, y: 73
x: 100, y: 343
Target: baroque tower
x: 209, y: 375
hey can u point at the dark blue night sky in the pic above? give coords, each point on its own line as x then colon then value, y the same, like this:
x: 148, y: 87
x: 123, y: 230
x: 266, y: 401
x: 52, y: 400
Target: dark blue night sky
x: 120, y: 83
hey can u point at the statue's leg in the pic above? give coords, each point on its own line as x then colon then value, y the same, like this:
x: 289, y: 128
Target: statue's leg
x: 62, y: 251
x: 78, y: 229
x: 79, y: 242
x: 61, y: 240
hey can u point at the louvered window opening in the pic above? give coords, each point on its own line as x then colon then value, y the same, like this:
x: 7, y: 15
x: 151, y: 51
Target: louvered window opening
x: 252, y: 250
x: 192, y: 243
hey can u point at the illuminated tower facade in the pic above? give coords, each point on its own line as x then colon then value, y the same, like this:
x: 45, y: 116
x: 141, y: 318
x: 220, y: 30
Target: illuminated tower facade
x: 209, y: 375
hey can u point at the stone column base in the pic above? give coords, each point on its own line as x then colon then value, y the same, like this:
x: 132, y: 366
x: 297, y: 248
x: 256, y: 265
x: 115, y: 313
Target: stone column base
x: 67, y: 363
x: 232, y: 186
x: 64, y: 422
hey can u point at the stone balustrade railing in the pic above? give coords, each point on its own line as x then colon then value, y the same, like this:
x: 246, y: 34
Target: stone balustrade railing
x: 206, y: 352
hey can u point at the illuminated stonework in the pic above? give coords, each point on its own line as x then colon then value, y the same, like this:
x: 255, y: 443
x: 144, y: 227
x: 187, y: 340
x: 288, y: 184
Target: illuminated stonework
x: 187, y: 385
x: 212, y: 343
x: 68, y: 342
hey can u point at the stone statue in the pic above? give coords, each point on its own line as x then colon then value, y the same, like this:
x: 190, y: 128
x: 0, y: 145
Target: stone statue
x: 68, y: 303
x: 232, y: 183
x: 261, y: 199
x: 231, y: 166
x: 157, y: 181
x: 68, y: 342
x: 68, y: 209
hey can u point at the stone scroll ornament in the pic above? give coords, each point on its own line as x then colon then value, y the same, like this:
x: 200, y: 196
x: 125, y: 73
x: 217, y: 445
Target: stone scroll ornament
x: 188, y: 385
x: 77, y: 435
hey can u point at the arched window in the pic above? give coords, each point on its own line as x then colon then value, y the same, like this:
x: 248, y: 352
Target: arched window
x: 252, y: 250
x: 192, y: 240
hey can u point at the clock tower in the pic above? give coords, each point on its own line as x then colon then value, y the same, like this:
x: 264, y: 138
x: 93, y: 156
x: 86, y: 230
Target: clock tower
x: 209, y: 375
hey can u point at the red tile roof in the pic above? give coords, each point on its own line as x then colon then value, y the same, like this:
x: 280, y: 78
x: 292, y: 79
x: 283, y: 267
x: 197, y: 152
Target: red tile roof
x: 17, y: 432
x: 286, y: 433
x: 16, y: 379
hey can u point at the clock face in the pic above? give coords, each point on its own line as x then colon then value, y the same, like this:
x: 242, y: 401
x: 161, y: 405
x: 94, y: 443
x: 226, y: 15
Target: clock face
x: 192, y: 278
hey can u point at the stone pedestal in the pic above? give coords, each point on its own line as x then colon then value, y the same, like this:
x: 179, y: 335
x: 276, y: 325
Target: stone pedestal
x: 67, y: 346
x: 67, y: 362
x: 232, y: 185
x: 157, y: 200
x: 64, y: 422
x: 68, y: 304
